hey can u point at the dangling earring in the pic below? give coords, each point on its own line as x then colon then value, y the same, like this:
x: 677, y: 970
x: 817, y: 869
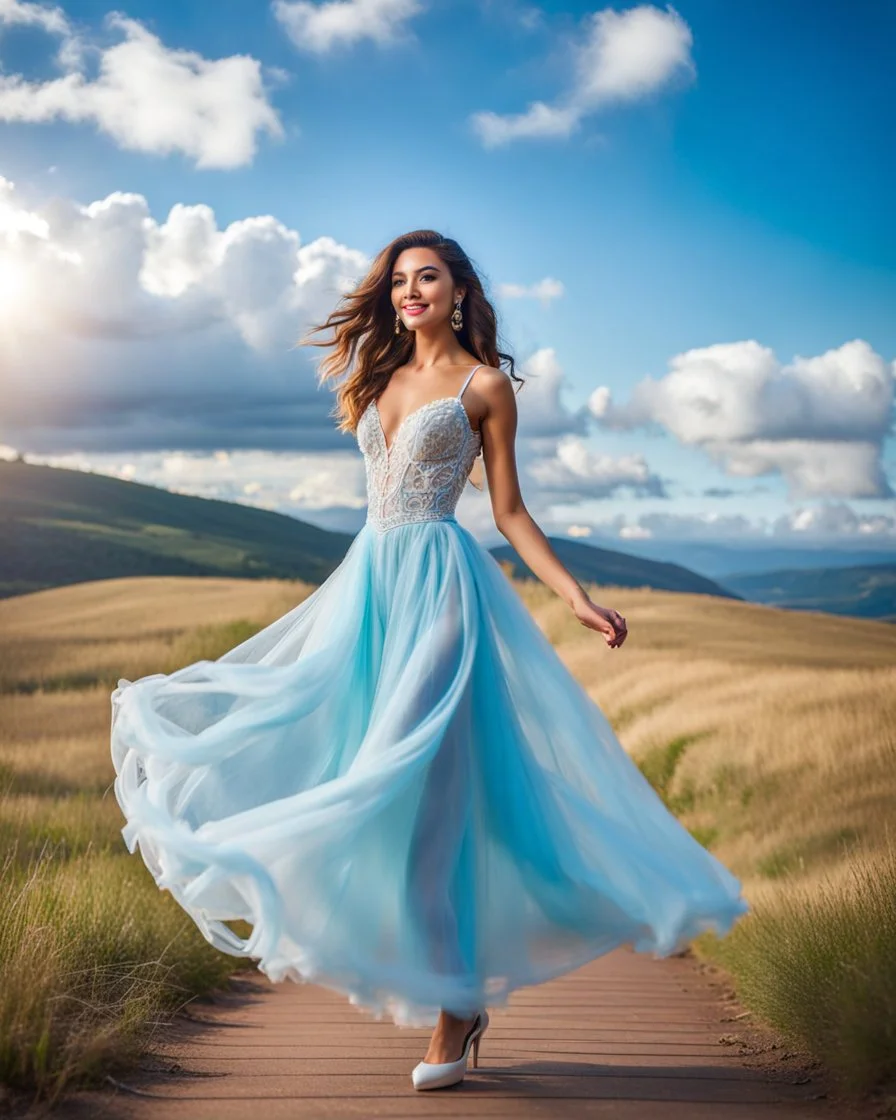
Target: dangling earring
x: 397, y: 323
x: 457, y: 320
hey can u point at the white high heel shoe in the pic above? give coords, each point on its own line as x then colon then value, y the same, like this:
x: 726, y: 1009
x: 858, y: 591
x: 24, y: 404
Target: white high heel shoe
x: 438, y: 1075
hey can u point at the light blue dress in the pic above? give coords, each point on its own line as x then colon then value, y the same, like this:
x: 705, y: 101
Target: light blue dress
x: 398, y: 783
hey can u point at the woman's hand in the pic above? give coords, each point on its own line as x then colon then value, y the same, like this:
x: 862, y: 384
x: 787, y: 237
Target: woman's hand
x: 604, y: 620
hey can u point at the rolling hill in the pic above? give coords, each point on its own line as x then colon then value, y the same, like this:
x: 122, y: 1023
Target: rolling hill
x: 621, y: 569
x: 62, y: 527
x: 868, y: 591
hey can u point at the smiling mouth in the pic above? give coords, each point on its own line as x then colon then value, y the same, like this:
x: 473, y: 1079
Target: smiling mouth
x: 415, y: 308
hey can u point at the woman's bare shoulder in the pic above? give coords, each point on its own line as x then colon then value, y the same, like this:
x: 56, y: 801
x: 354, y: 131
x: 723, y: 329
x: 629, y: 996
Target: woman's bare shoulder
x: 495, y: 385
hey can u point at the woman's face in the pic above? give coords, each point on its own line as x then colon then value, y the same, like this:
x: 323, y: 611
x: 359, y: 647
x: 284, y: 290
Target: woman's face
x: 423, y: 292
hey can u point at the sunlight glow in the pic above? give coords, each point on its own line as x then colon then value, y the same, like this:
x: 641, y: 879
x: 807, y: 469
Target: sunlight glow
x: 13, y: 286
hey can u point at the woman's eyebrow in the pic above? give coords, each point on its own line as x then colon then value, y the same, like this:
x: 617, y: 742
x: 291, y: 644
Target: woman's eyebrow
x: 425, y: 268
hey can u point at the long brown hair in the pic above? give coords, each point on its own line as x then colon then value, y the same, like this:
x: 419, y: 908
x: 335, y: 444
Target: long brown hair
x: 363, y: 326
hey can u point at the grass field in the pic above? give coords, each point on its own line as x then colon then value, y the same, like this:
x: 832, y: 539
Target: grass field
x: 772, y: 735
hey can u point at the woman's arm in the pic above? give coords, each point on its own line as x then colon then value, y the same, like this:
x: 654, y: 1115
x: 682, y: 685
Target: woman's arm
x: 515, y: 523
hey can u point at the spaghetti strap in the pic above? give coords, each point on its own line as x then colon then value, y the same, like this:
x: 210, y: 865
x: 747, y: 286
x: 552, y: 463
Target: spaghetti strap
x: 469, y: 379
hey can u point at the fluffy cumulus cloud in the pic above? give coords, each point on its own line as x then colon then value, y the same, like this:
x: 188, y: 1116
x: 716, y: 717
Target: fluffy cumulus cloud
x: 121, y: 332
x: 544, y: 417
x: 26, y: 14
x: 819, y: 422
x: 321, y: 27
x: 622, y: 56
x: 147, y: 96
x: 555, y: 461
x: 575, y: 473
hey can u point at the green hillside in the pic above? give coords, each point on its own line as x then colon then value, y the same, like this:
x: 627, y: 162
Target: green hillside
x: 62, y: 526
x: 602, y: 565
x: 868, y: 591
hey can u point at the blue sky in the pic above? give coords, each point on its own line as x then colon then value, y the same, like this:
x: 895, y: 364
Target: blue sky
x: 726, y: 185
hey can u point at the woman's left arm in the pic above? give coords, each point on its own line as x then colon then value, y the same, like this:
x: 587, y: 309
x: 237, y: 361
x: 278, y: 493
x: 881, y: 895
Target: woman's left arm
x: 515, y: 523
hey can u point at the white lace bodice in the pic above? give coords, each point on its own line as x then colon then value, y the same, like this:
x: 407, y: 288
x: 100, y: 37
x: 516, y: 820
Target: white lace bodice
x: 422, y: 475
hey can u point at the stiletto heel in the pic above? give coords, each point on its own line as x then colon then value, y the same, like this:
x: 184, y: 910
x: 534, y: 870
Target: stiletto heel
x: 438, y: 1075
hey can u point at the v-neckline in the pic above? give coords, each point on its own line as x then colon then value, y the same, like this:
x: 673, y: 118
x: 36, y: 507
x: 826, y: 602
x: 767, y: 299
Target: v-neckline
x: 438, y: 400
x: 426, y: 404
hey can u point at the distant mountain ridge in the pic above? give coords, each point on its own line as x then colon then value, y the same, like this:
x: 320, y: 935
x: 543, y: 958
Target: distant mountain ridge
x: 62, y: 526
x: 866, y: 591
x: 750, y: 557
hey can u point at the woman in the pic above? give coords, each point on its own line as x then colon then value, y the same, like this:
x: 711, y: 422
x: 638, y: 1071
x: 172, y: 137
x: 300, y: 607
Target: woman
x: 398, y: 783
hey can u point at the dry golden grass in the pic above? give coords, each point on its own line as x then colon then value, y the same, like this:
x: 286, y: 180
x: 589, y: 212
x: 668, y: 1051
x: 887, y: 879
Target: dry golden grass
x: 92, y: 955
x: 771, y: 734
x: 107, y: 629
x: 54, y: 742
x: 783, y: 724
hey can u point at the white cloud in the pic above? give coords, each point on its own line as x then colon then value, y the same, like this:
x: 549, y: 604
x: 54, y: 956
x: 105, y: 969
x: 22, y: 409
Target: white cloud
x: 146, y: 96
x: 635, y: 533
x: 710, y: 524
x: 630, y: 54
x: 555, y: 462
x: 320, y: 27
x: 123, y: 332
x: 671, y: 526
x: 813, y: 467
x: 538, y: 122
x: 835, y: 519
x: 295, y: 484
x: 576, y: 473
x: 19, y: 12
x: 819, y: 422
x: 543, y: 417
x: 624, y: 56
x: 543, y: 290
x: 826, y: 522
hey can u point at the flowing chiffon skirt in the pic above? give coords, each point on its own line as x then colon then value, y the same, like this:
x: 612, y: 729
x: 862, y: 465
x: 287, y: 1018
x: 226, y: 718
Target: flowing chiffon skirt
x: 402, y: 789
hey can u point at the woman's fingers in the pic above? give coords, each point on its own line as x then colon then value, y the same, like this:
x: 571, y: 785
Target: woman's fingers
x: 620, y: 627
x: 606, y: 621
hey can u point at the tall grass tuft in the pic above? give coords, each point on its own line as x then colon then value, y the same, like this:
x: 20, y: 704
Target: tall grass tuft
x: 818, y: 962
x: 91, y: 958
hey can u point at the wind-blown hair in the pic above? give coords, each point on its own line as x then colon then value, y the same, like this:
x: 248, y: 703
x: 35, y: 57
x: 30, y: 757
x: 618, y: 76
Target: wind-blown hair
x: 363, y: 324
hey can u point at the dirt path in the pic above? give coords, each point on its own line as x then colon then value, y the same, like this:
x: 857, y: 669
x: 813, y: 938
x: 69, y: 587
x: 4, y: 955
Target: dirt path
x: 624, y: 1038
